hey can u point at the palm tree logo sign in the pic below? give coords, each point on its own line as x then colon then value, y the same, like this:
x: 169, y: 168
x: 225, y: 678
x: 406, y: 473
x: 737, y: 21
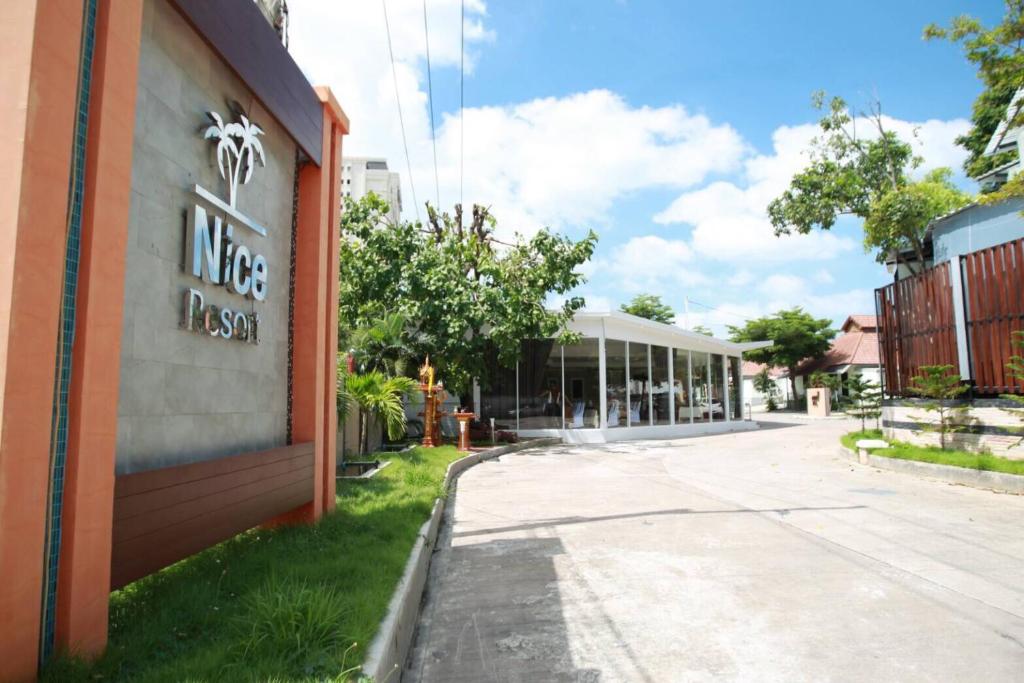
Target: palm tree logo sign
x: 238, y: 150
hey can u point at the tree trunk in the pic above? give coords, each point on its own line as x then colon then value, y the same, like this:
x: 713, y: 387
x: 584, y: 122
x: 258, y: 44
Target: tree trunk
x: 792, y: 383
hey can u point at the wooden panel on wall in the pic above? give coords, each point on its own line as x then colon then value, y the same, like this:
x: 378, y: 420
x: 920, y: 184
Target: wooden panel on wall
x: 994, y: 304
x: 916, y: 326
x: 165, y: 515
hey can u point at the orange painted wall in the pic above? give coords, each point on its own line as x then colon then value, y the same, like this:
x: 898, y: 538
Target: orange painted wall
x: 315, y: 335
x: 84, y: 577
x: 39, y: 51
x: 39, y: 57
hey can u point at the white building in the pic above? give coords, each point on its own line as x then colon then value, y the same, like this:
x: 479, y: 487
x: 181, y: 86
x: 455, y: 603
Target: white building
x: 626, y: 378
x: 362, y: 175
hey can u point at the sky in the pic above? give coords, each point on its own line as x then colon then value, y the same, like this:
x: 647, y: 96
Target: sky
x: 666, y: 127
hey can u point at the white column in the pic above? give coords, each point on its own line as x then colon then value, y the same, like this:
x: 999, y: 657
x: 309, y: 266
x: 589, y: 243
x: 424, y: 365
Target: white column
x: 650, y: 388
x: 629, y: 413
x: 710, y: 397
x: 956, y: 282
x: 561, y: 415
x: 742, y: 388
x: 689, y: 383
x: 725, y: 391
x: 671, y: 386
x: 602, y: 380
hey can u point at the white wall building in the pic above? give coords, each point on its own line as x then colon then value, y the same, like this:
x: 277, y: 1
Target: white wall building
x: 362, y: 175
x: 626, y: 378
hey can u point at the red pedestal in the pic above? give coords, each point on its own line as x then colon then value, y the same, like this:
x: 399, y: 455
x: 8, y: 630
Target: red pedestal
x: 464, y: 419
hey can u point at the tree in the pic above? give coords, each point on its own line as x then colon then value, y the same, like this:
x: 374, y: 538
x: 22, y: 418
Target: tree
x: 797, y: 336
x: 855, y: 175
x: 765, y: 384
x: 700, y: 329
x: 651, y: 307
x: 866, y: 398
x: 997, y: 53
x: 383, y: 345
x: 458, y: 287
x: 940, y: 387
x: 379, y: 396
x: 1016, y: 370
x: 898, y: 220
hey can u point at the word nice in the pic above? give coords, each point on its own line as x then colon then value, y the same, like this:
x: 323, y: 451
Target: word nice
x: 212, y: 255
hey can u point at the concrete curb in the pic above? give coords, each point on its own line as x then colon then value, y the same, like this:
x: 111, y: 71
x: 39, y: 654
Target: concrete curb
x: 388, y: 650
x: 998, y: 482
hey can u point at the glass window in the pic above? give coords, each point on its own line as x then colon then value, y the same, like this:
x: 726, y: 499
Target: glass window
x: 498, y: 393
x: 734, y: 389
x: 582, y: 386
x: 540, y: 385
x: 615, y: 369
x: 681, y: 385
x: 660, y: 394
x: 701, y: 389
x: 639, y: 385
x: 717, y: 387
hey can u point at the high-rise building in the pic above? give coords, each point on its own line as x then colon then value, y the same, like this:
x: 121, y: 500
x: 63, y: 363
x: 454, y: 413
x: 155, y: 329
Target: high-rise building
x: 362, y: 175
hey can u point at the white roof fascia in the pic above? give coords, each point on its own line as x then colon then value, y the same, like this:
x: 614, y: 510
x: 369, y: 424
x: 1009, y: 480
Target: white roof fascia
x: 996, y: 141
x: 663, y: 334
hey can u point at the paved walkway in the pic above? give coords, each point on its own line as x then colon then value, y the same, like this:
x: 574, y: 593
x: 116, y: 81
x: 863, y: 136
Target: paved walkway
x: 756, y: 556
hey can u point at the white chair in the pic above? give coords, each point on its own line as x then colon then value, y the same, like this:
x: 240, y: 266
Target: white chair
x: 578, y: 409
x: 634, y: 411
x: 613, y: 413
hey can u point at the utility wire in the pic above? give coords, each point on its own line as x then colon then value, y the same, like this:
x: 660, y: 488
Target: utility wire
x: 398, y: 100
x: 712, y: 308
x: 430, y: 99
x: 462, y: 105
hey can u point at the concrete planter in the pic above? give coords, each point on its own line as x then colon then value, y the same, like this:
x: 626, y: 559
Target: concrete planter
x: 999, y: 482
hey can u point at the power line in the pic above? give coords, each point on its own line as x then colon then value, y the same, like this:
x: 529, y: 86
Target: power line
x: 430, y: 99
x: 462, y: 104
x: 712, y: 308
x: 398, y: 99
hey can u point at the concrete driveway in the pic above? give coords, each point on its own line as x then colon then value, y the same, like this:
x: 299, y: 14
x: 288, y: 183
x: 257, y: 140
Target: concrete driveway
x: 754, y: 556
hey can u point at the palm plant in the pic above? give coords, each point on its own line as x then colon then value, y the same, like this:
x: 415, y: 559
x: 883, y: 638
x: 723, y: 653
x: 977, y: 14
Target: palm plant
x: 764, y: 383
x: 379, y: 396
x: 383, y: 345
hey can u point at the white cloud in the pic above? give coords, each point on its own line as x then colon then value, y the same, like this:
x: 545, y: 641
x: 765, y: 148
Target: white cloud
x: 649, y: 264
x: 344, y: 45
x: 784, y: 286
x: 823, y: 277
x: 729, y: 219
x: 740, y: 278
x: 557, y: 161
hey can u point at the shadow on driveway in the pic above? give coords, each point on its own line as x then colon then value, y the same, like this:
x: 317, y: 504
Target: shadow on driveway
x: 562, y: 521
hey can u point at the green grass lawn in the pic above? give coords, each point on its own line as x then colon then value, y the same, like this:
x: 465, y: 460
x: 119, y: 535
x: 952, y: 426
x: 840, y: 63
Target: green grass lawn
x: 289, y: 604
x: 933, y: 454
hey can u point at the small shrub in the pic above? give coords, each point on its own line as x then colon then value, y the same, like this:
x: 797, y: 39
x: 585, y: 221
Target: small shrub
x: 1015, y: 368
x: 291, y: 621
x: 938, y: 384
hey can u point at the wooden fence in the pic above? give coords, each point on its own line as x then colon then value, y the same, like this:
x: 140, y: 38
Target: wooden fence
x: 994, y: 309
x: 917, y: 325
